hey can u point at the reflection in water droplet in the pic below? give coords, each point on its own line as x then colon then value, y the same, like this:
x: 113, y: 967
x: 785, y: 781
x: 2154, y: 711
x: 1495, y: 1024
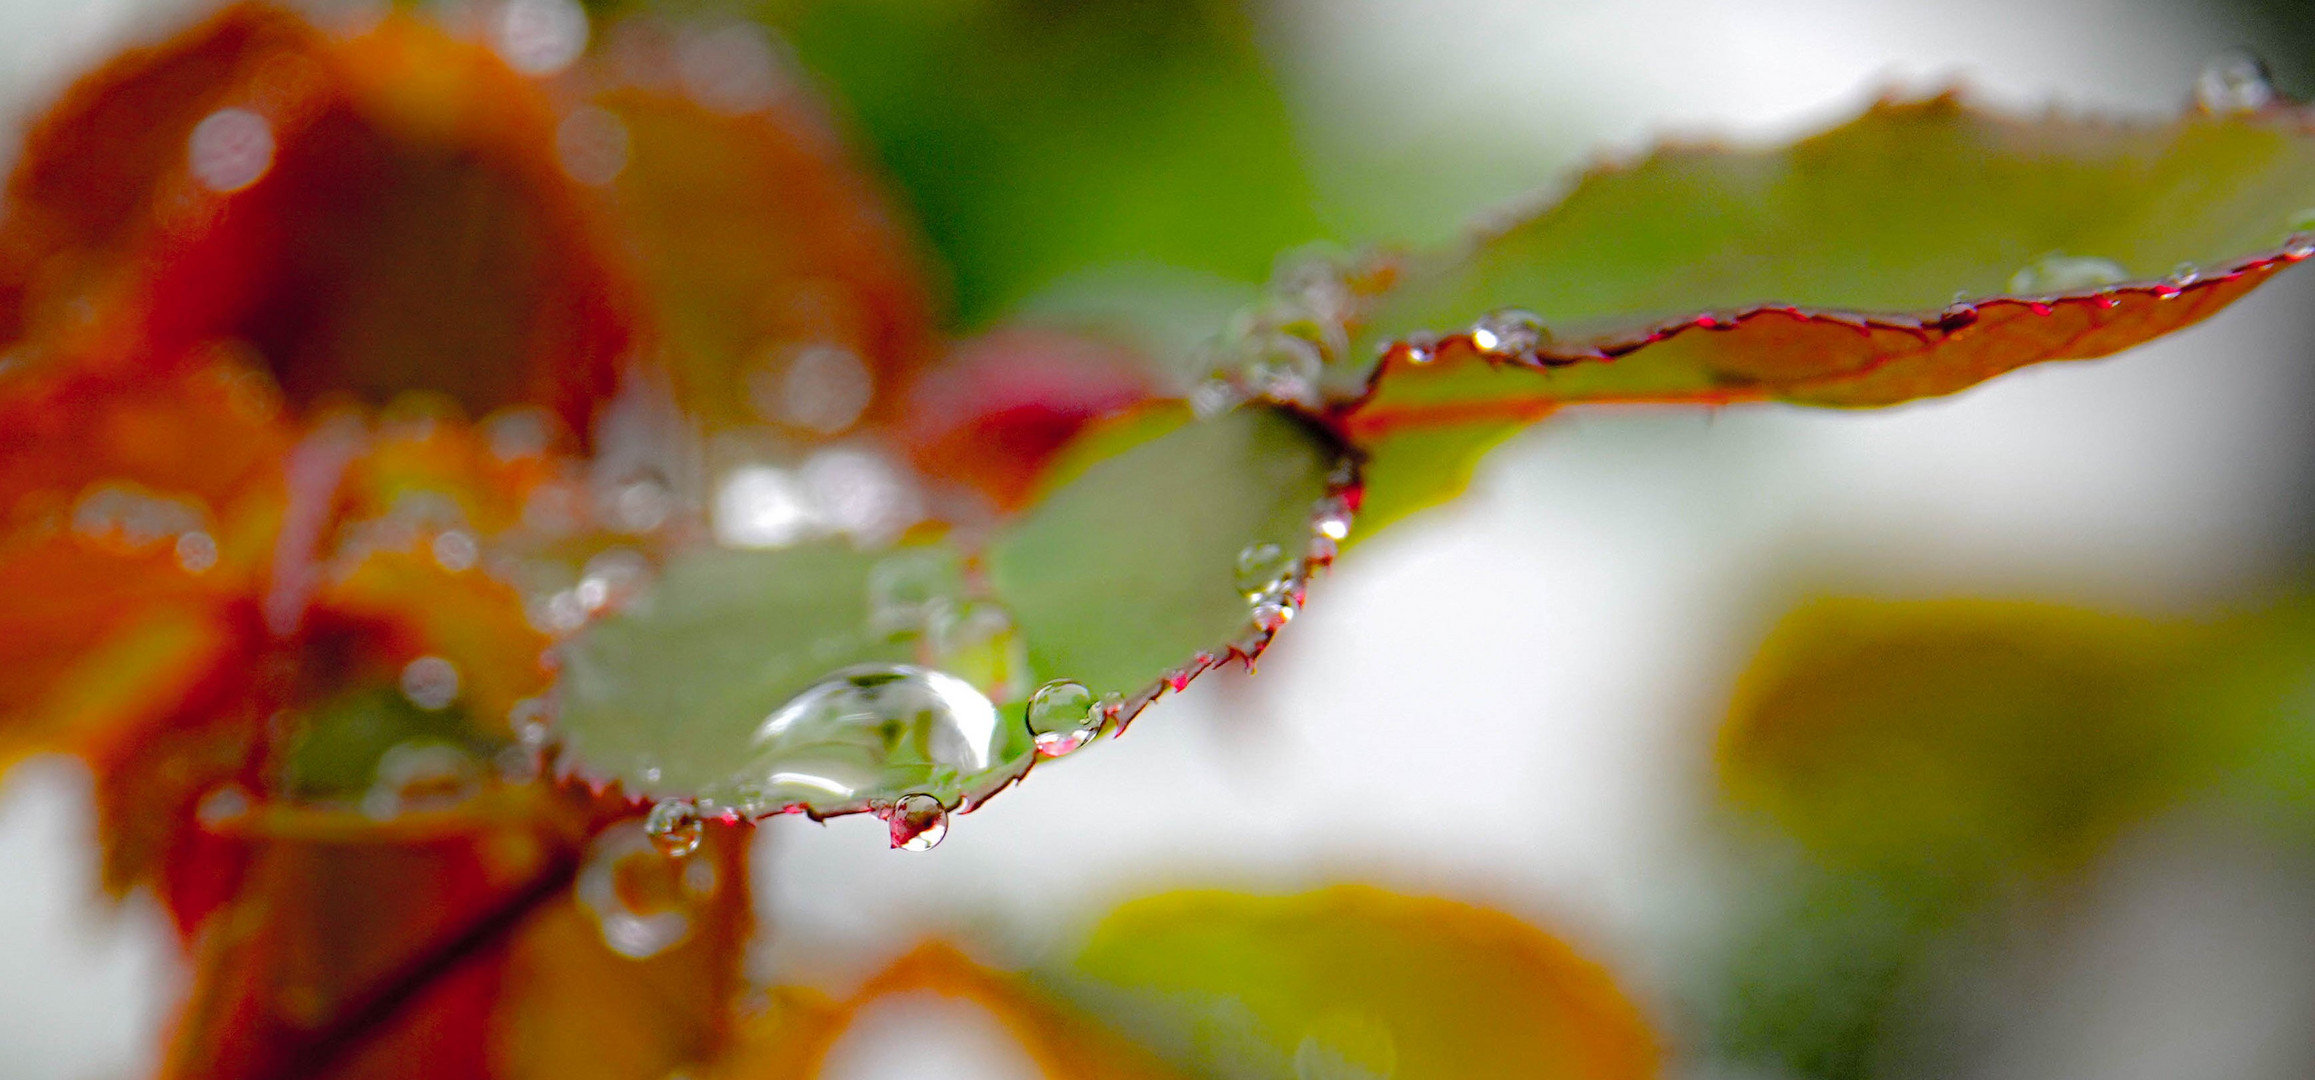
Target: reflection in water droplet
x: 593, y: 145
x: 876, y: 730
x: 2057, y: 272
x: 1508, y: 334
x: 539, y: 37
x: 632, y: 929
x: 918, y: 822
x: 2235, y: 81
x: 230, y: 149
x: 1062, y: 717
x: 674, y: 827
x: 1262, y: 568
x: 420, y: 775
x: 430, y: 682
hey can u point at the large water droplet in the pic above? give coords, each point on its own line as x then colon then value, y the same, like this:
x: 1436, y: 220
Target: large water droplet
x: 918, y: 822
x: 1508, y: 334
x: 1262, y: 568
x: 2235, y: 81
x: 873, y: 731
x: 2057, y: 272
x: 674, y: 827
x: 1062, y: 717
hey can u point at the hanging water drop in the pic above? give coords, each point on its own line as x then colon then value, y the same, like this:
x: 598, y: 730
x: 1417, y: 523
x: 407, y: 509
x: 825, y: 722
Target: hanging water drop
x: 918, y: 822
x: 2057, y: 272
x: 674, y: 827
x: 1262, y: 568
x: 1508, y: 334
x: 2234, y: 81
x: 1062, y: 717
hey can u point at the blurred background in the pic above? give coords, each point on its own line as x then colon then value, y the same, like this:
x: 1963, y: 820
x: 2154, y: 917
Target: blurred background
x: 2061, y: 835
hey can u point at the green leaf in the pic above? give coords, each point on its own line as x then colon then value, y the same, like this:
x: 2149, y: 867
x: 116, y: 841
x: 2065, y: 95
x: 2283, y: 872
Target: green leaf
x: 1130, y: 569
x: 1351, y: 981
x: 1038, y: 138
x: 1917, y: 250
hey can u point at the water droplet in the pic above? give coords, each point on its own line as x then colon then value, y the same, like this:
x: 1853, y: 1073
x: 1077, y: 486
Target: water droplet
x: 1273, y: 612
x: 918, y: 822
x: 420, y: 775
x: 455, y: 550
x: 593, y: 145
x: 821, y: 388
x: 873, y: 730
x: 2235, y: 81
x: 230, y: 149
x: 540, y: 37
x: 1262, y: 568
x: 2300, y: 245
x: 2058, y: 273
x: 1283, y: 367
x: 1062, y: 717
x: 638, y: 899
x: 2184, y: 274
x: 528, y: 718
x: 1508, y: 334
x: 430, y: 682
x: 196, y: 551
x: 1420, y: 348
x: 674, y: 827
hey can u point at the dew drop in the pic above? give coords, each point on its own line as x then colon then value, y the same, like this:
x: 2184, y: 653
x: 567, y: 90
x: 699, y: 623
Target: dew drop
x: 1420, y: 348
x: 1508, y: 334
x: 230, y: 149
x: 674, y: 827
x: 430, y: 682
x: 1262, y: 568
x: 1332, y: 519
x: 872, y: 731
x: 918, y: 822
x: 539, y: 37
x: 2235, y: 81
x: 1062, y: 717
x: 1273, y: 612
x: 2057, y: 272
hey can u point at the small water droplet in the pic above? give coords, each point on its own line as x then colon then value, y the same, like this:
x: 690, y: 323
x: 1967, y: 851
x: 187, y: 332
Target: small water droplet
x: 230, y: 149
x: 2235, y: 81
x: 539, y: 37
x: 593, y: 145
x: 1062, y: 717
x: 2057, y: 272
x: 2184, y: 274
x: 2301, y: 245
x: 1262, y: 568
x: 1273, y: 613
x: 918, y: 822
x: 674, y: 827
x: 430, y: 682
x: 1508, y: 334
